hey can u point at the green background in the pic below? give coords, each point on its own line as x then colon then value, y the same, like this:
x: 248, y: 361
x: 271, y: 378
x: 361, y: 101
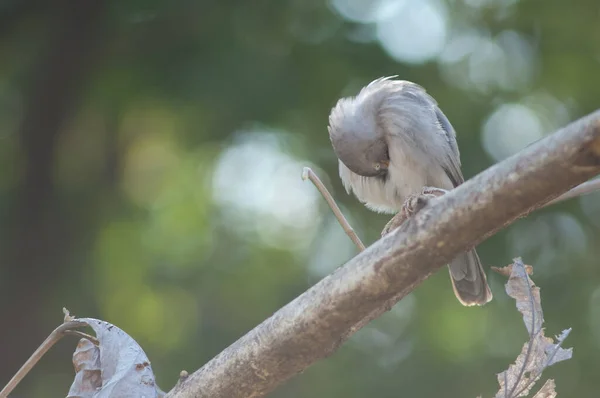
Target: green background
x: 150, y: 162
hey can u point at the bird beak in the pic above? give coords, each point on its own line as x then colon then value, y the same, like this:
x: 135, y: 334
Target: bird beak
x: 386, y: 163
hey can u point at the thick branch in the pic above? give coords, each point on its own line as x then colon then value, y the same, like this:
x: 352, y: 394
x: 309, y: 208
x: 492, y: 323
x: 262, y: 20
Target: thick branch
x: 313, y: 325
x: 580, y: 190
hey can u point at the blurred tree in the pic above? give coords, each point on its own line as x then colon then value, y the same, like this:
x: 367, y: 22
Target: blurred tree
x: 38, y: 225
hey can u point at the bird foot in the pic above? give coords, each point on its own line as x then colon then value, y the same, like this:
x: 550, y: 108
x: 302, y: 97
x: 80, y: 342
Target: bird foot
x: 411, y: 206
x: 433, y: 191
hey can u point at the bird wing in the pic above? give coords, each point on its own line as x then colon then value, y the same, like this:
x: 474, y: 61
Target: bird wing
x: 451, y: 165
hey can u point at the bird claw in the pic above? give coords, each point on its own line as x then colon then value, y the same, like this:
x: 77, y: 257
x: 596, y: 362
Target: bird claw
x: 394, y: 223
x: 433, y: 191
x: 411, y: 206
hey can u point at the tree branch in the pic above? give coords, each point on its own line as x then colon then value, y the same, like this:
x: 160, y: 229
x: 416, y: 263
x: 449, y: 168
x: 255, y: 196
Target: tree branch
x: 313, y: 325
x: 580, y: 190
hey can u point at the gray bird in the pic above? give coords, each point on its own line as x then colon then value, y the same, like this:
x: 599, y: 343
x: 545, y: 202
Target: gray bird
x: 392, y: 140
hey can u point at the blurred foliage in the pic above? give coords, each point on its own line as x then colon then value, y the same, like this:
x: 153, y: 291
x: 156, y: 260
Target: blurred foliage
x: 150, y: 162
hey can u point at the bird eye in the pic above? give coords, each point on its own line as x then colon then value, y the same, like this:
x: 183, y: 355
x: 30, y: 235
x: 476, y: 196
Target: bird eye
x: 377, y: 166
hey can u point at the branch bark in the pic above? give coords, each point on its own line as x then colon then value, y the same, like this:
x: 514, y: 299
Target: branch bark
x: 314, y: 325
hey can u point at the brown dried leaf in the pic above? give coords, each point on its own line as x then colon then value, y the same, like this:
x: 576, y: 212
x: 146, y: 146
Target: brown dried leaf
x: 118, y: 367
x: 527, y: 295
x: 540, y: 351
x: 548, y: 390
x: 506, y: 271
x: 88, y: 376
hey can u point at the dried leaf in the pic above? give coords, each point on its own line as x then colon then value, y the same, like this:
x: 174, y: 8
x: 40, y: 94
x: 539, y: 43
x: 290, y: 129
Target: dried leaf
x: 540, y: 351
x: 88, y: 376
x: 548, y: 390
x: 521, y: 288
x: 68, y: 317
x: 118, y: 367
x: 506, y: 271
x: 555, y: 352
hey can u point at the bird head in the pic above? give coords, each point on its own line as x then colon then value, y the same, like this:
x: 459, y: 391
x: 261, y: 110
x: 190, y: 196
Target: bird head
x: 356, y: 136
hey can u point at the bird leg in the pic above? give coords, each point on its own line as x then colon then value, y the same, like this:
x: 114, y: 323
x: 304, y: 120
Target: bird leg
x: 411, y: 206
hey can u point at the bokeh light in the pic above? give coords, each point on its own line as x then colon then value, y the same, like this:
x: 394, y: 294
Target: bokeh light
x: 509, y: 129
x: 367, y: 11
x: 259, y: 186
x: 416, y: 33
x: 552, y: 241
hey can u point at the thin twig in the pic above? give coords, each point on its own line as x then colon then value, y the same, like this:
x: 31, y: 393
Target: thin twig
x: 56, y: 335
x: 82, y: 335
x: 308, y: 173
x: 580, y: 190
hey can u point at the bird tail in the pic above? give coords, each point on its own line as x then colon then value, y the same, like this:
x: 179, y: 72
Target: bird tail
x: 468, y: 279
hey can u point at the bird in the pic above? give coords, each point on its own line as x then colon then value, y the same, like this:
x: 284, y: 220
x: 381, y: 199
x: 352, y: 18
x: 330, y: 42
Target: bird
x: 392, y: 140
